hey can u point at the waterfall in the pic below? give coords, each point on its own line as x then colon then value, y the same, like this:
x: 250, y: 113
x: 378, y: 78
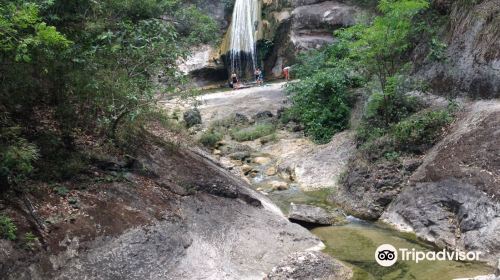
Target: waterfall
x: 243, y: 36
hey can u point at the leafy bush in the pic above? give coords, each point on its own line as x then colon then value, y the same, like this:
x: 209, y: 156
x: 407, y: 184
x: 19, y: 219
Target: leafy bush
x: 385, y: 109
x: 253, y: 132
x: 30, y: 241
x: 421, y: 129
x: 16, y: 156
x: 59, y: 162
x: 367, y: 133
x: 321, y: 104
x: 264, y: 48
x: 210, y: 138
x: 60, y: 190
x: 320, y: 101
x: 8, y: 229
x: 437, y: 50
x: 381, y: 46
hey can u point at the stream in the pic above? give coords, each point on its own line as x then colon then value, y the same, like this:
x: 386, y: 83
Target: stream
x: 355, y: 242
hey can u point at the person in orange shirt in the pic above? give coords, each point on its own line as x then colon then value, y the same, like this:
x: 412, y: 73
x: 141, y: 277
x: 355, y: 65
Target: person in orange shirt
x: 286, y: 73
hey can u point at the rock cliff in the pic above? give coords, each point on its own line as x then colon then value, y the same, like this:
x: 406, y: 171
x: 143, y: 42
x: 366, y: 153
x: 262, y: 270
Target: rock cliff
x: 299, y: 25
x: 453, y: 199
x: 472, y: 58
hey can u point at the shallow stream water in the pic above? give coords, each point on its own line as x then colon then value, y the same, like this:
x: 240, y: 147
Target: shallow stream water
x: 355, y: 242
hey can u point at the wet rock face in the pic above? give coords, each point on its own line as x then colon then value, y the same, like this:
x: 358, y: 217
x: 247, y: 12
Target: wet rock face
x: 311, y: 216
x: 310, y: 265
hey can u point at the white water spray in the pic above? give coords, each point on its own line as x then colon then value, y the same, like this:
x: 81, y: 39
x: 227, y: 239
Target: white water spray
x: 244, y: 26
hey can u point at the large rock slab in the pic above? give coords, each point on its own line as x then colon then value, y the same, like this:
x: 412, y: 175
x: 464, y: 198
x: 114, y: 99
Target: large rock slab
x: 314, y: 166
x: 190, y: 219
x: 309, y: 215
x: 450, y: 214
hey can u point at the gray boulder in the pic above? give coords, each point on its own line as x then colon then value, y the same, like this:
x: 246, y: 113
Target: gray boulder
x: 263, y: 115
x: 311, y: 216
x: 191, y: 219
x: 192, y: 117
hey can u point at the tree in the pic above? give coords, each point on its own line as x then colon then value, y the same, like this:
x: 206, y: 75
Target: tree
x: 381, y: 45
x: 88, y: 67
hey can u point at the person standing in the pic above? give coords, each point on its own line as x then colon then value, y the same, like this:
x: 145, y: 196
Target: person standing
x: 234, y: 81
x: 258, y: 76
x: 286, y: 73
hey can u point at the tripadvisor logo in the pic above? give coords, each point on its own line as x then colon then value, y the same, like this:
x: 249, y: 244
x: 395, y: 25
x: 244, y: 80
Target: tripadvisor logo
x: 387, y: 255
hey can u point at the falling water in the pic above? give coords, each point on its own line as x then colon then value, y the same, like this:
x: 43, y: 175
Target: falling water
x: 242, y: 45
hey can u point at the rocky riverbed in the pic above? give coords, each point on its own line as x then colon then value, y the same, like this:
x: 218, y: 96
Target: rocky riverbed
x: 289, y: 168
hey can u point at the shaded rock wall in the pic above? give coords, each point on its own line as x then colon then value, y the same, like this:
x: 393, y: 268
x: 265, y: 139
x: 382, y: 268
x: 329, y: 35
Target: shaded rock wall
x: 472, y: 63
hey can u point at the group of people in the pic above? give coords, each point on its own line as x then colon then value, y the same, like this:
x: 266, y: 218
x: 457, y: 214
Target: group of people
x: 259, y: 77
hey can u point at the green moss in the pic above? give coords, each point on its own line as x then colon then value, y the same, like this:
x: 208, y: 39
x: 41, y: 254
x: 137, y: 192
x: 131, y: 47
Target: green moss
x: 253, y: 132
x: 210, y: 138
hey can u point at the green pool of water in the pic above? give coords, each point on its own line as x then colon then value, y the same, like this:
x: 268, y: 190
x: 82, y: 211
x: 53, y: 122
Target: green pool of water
x: 355, y: 244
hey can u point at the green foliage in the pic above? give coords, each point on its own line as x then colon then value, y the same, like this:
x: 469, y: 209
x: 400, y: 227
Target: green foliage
x: 23, y: 32
x: 195, y: 26
x: 380, y: 46
x: 30, y: 241
x: 61, y: 190
x: 264, y: 48
x: 59, y: 162
x: 366, y: 133
x: 210, y: 138
x: 421, y: 129
x: 437, y: 51
x: 321, y: 103
x: 392, y: 156
x: 412, y: 134
x: 391, y: 105
x: 253, y: 132
x: 87, y: 66
x: 310, y: 63
x: 16, y: 155
x: 8, y: 229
